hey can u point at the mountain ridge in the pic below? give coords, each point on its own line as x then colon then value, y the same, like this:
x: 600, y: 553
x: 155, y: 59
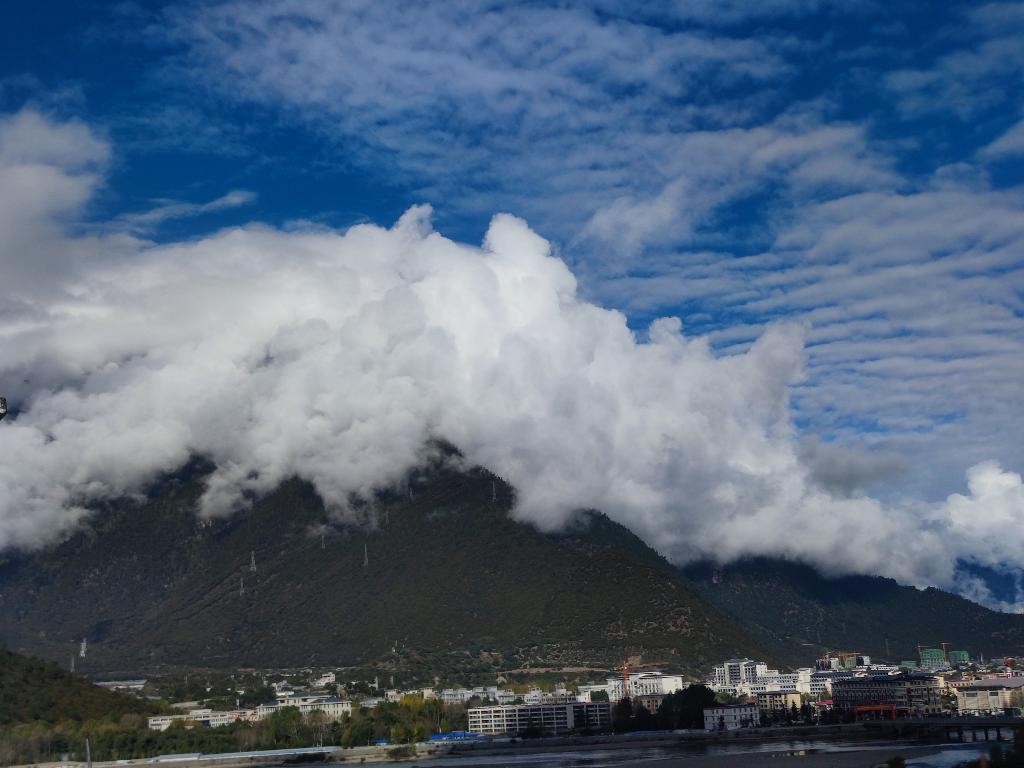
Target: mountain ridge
x: 788, y: 605
x: 446, y: 581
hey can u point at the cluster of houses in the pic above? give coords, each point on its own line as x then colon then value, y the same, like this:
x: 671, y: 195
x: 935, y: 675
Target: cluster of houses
x: 847, y: 682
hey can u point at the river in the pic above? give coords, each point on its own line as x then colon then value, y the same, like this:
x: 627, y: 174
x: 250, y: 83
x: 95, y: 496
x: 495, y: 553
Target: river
x: 811, y: 753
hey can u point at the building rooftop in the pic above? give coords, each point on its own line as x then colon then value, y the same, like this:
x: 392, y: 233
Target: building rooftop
x: 1005, y: 682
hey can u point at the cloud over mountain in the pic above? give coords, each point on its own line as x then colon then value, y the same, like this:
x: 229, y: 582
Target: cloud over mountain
x: 336, y: 355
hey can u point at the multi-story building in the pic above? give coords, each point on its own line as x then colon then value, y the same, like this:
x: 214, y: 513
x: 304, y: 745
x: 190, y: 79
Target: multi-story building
x: 777, y: 704
x: 729, y: 717
x: 488, y: 693
x: 933, y: 658
x: 959, y: 657
x: 821, y: 682
x: 990, y: 697
x: 306, y: 703
x: 207, y: 717
x: 834, y: 660
x: 640, y: 684
x: 900, y: 695
x: 736, y: 671
x: 546, y: 719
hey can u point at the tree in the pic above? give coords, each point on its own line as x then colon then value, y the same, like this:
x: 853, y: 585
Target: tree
x: 622, y: 715
x: 599, y: 696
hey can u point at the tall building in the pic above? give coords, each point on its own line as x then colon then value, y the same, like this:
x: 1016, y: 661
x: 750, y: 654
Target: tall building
x: 932, y: 658
x: 736, y: 671
x: 959, y: 657
x: 888, y: 695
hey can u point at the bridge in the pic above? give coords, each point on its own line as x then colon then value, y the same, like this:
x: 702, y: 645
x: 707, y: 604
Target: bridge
x: 951, y: 727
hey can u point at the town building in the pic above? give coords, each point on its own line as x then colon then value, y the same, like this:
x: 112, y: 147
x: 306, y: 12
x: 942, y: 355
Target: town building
x: 640, y: 684
x: 888, y: 695
x: 990, y: 697
x: 736, y: 671
x: 933, y: 658
x: 959, y: 657
x: 777, y: 704
x: 307, y: 703
x: 821, y: 682
x: 835, y: 660
x: 205, y: 717
x: 729, y: 717
x: 544, y: 719
x: 488, y: 693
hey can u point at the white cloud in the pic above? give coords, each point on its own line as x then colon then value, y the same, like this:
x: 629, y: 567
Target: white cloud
x: 1010, y: 143
x: 334, y: 356
x: 146, y: 221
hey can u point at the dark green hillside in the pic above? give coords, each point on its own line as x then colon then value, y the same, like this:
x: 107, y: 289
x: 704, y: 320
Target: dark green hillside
x: 33, y: 690
x: 795, y: 612
x: 450, y: 581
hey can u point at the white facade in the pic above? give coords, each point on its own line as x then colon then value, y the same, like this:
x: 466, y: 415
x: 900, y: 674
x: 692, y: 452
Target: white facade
x: 736, y: 671
x: 202, y: 716
x: 548, y: 719
x: 640, y: 684
x: 307, y: 703
x: 488, y: 693
x: 729, y: 717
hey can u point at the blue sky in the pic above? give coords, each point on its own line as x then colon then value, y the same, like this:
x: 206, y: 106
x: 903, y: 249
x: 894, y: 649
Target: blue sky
x: 855, y: 168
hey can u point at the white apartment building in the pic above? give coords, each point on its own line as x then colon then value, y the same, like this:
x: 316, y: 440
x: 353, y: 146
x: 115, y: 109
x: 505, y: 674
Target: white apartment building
x: 547, y: 719
x: 735, y: 671
x: 306, y: 703
x: 206, y: 717
x: 772, y: 681
x: 729, y: 717
x: 488, y: 693
x: 640, y: 684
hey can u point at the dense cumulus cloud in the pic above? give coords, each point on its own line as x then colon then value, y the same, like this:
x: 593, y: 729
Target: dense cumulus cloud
x: 336, y: 355
x: 687, y: 164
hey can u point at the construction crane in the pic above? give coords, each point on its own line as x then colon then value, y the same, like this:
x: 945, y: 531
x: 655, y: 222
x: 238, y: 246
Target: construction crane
x: 624, y: 669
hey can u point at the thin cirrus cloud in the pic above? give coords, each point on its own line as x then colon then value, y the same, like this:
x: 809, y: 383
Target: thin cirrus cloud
x: 336, y: 355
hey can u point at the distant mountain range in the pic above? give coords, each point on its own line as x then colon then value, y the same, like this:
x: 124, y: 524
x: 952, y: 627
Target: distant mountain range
x: 792, y: 610
x: 445, y: 581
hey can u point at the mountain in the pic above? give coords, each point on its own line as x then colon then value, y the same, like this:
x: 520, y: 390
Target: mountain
x: 444, y: 580
x: 794, y: 612
x: 33, y: 691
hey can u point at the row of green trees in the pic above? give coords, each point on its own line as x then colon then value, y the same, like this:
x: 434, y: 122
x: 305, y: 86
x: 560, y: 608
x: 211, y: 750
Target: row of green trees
x: 410, y: 720
x: 682, y: 709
